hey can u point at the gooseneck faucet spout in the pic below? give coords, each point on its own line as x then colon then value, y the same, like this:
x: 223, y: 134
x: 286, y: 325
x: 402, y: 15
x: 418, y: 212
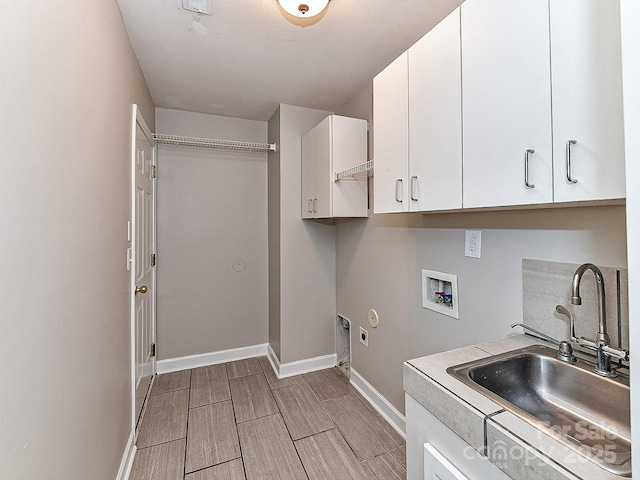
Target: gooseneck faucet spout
x: 576, y: 299
x: 603, y: 350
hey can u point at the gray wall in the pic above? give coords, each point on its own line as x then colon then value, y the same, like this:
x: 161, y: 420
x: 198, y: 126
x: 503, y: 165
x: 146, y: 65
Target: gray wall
x: 379, y: 260
x: 69, y: 77
x: 274, y: 186
x: 305, y: 294
x: 212, y: 217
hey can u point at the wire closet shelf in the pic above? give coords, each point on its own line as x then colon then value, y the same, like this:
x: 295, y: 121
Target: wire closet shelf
x: 353, y: 171
x: 214, y: 143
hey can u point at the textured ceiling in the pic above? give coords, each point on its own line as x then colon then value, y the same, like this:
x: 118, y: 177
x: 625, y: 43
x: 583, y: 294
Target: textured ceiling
x: 247, y: 57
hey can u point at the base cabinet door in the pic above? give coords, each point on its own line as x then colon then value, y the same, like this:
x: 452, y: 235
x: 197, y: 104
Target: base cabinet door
x: 424, y: 428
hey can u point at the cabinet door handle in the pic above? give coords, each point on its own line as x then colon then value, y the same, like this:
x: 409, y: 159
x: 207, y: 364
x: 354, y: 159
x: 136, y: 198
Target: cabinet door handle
x: 398, y: 185
x: 568, y: 158
x: 315, y: 205
x: 526, y: 168
x: 309, y: 208
x: 414, y: 181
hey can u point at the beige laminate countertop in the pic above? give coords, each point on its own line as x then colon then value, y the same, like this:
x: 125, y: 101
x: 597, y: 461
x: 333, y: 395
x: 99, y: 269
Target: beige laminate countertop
x: 519, y: 449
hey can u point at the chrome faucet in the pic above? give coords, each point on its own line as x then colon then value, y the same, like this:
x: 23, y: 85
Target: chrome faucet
x: 601, y: 346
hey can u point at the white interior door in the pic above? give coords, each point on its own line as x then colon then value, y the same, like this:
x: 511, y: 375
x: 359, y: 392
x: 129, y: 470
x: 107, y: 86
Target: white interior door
x: 142, y: 261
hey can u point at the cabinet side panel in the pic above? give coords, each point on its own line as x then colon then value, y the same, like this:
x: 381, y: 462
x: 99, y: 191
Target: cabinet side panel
x: 349, y: 148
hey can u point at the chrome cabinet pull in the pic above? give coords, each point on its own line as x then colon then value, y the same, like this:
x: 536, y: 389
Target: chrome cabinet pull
x: 315, y: 205
x: 309, y: 208
x: 414, y: 180
x: 526, y: 168
x: 568, y: 158
x: 398, y: 185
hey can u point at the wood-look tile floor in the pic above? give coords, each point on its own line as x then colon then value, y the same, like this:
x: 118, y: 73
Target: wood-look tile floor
x: 237, y: 421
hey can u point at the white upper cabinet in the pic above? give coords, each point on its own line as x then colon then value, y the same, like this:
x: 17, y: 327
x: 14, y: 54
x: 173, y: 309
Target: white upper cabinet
x: 435, y: 123
x: 334, y: 145
x: 391, y: 137
x: 503, y: 103
x: 506, y: 103
x: 587, y: 100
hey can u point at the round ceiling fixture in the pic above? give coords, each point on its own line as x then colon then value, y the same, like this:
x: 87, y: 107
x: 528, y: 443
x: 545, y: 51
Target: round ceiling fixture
x: 303, y: 9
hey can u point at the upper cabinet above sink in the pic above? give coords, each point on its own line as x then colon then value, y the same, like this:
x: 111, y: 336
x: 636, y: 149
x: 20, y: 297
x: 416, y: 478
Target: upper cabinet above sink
x: 506, y: 103
x: 542, y: 102
x: 526, y: 110
x: 586, y: 73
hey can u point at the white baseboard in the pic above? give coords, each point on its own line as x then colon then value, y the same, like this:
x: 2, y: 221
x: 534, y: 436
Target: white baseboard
x: 381, y: 404
x: 205, y: 359
x: 284, y: 370
x: 273, y: 360
x: 126, y: 464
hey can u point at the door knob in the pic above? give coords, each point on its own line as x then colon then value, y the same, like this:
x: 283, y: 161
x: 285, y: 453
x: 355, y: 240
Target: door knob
x: 143, y: 289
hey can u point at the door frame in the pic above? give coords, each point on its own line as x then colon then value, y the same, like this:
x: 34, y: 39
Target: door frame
x: 137, y: 119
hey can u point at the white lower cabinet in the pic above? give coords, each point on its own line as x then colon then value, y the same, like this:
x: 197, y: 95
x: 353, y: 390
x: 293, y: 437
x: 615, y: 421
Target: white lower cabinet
x: 438, y: 467
x: 454, y: 456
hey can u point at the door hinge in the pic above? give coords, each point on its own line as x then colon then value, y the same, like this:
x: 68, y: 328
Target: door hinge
x: 153, y: 259
x: 154, y: 171
x: 153, y: 350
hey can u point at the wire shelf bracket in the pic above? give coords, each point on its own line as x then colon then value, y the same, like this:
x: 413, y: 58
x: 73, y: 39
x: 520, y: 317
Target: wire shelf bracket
x: 213, y: 143
x: 353, y: 171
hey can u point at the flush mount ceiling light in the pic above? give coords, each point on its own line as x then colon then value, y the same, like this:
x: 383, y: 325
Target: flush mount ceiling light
x: 304, y: 8
x: 198, y: 6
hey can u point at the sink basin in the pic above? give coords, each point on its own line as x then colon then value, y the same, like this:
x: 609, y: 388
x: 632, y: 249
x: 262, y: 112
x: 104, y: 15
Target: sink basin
x: 585, y: 411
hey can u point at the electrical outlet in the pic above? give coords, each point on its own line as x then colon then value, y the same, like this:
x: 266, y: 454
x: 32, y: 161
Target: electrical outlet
x: 364, y: 337
x: 473, y: 243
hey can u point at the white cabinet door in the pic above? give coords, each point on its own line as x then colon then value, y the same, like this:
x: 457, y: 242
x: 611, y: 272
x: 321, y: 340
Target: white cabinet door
x: 316, y: 189
x: 308, y: 166
x: 506, y: 98
x: 391, y: 137
x: 435, y: 123
x: 322, y: 172
x: 587, y: 99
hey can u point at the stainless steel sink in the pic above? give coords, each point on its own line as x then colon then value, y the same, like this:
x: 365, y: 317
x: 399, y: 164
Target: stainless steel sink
x: 585, y: 411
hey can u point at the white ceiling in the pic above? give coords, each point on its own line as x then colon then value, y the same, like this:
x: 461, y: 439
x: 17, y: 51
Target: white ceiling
x: 246, y: 58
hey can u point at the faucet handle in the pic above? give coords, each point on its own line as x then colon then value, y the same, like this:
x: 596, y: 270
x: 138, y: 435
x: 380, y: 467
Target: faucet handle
x: 562, y: 310
x: 615, y: 352
x: 565, y: 352
x: 587, y: 342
